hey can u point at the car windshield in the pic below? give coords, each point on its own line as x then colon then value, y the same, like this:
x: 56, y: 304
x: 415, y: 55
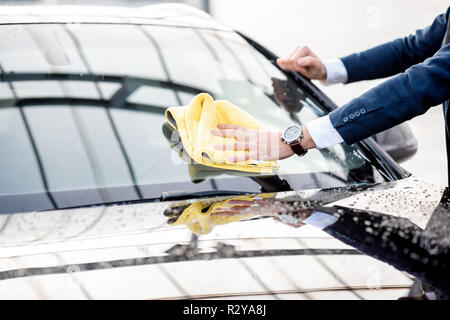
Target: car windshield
x: 82, y: 114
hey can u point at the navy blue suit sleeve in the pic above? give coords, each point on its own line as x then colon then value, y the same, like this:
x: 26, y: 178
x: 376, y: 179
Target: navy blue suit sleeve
x: 396, y: 100
x: 396, y: 56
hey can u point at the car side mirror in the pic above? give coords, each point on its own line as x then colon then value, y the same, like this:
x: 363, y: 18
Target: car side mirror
x: 399, y: 142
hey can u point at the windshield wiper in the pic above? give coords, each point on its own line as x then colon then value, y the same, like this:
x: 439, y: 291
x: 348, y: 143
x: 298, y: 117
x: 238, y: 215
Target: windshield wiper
x: 168, y: 196
x: 267, y: 184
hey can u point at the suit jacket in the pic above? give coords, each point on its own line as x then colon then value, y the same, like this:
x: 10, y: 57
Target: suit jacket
x: 399, y: 242
x: 421, y: 65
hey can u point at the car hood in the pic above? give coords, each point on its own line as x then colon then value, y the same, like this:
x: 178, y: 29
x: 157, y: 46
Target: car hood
x: 410, y: 198
x: 108, y: 241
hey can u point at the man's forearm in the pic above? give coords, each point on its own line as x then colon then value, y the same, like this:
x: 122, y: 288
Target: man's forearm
x: 396, y: 100
x: 398, y: 55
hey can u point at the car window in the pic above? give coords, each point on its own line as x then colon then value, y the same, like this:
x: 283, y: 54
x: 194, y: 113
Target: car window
x: 82, y: 109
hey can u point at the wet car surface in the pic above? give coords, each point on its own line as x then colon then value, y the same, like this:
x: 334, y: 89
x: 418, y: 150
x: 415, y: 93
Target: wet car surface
x: 100, y: 212
x: 95, y: 244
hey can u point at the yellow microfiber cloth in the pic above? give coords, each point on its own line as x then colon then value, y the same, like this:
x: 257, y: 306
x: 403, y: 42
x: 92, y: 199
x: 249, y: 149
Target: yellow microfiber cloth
x: 200, y: 222
x: 194, y: 123
x: 197, y: 172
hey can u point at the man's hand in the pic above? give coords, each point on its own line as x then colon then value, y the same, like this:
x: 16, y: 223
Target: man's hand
x: 259, y: 144
x: 267, y: 208
x: 304, y: 61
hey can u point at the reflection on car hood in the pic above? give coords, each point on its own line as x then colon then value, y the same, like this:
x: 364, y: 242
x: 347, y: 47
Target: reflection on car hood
x: 410, y: 198
x: 118, y: 236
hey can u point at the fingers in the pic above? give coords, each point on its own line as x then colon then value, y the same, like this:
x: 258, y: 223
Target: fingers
x: 233, y: 131
x: 234, y: 210
x: 232, y: 126
x: 258, y: 144
x: 237, y: 146
x: 306, y: 62
x: 304, y: 51
x: 290, y: 61
x: 298, y: 54
x: 230, y: 133
x: 229, y: 213
x: 248, y: 142
x: 264, y: 207
x: 242, y: 157
x: 308, y: 66
x: 241, y: 202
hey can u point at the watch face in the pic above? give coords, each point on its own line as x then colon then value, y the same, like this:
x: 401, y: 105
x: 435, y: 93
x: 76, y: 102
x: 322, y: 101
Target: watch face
x: 292, y: 134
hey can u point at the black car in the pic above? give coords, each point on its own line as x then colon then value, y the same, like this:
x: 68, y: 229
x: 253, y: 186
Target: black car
x: 93, y: 193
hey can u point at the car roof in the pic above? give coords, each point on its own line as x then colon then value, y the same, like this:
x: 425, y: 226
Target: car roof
x: 159, y: 14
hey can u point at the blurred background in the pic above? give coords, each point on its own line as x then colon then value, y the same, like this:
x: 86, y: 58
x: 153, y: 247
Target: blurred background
x: 331, y: 29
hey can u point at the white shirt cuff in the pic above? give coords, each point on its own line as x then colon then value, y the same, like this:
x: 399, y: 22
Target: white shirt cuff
x: 336, y: 72
x: 323, y: 133
x: 320, y: 220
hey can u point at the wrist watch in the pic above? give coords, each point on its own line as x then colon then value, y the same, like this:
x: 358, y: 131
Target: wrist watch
x: 292, y: 136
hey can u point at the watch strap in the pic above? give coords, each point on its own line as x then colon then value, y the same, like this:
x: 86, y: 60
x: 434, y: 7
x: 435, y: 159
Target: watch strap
x: 298, y: 149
